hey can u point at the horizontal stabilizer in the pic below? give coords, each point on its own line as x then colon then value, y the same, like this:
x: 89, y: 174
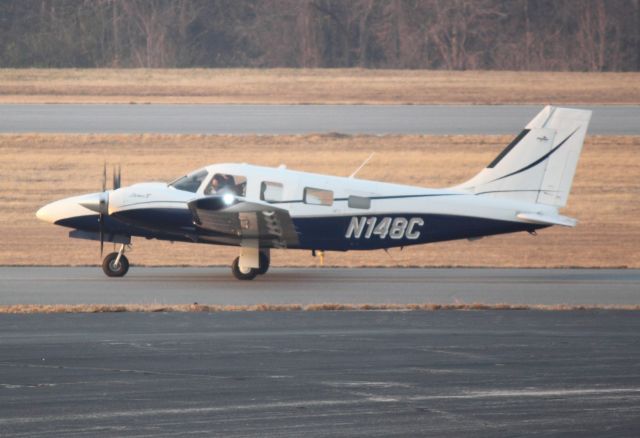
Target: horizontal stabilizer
x: 546, y: 219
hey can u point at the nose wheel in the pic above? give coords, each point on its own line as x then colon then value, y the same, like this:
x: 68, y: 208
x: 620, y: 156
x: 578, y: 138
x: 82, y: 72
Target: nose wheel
x: 116, y: 264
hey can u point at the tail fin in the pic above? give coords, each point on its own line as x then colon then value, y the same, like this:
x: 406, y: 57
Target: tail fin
x: 539, y: 164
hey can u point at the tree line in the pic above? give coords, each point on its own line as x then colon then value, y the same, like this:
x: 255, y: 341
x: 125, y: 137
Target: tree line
x: 576, y: 35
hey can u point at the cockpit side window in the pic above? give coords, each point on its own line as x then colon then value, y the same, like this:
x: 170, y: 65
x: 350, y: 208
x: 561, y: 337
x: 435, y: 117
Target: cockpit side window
x: 190, y: 183
x: 271, y: 191
x: 225, y: 183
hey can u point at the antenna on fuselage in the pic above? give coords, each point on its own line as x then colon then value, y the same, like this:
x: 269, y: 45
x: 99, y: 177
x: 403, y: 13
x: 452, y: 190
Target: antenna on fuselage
x: 362, y: 165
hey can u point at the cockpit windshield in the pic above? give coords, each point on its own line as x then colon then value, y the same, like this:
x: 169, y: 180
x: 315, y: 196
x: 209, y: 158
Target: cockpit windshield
x: 191, y: 182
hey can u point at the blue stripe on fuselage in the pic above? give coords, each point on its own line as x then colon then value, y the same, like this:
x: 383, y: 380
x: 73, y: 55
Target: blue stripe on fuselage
x: 163, y: 224
x: 326, y: 233
x: 168, y: 220
x: 329, y: 233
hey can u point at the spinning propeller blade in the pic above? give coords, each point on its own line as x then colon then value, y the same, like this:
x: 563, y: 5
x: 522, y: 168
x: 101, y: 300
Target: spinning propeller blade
x: 103, y: 207
x: 116, y: 177
x: 104, y: 176
x: 101, y: 221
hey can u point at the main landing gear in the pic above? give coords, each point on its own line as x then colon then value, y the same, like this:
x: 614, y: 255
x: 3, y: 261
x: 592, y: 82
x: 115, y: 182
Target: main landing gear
x: 116, y: 264
x: 256, y: 262
x: 247, y: 273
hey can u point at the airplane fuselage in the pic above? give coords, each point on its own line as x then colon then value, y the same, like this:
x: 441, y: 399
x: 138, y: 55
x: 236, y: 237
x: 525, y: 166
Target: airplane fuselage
x: 343, y: 214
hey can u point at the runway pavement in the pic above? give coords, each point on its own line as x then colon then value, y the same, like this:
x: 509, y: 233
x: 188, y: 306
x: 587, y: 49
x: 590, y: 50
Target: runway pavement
x: 298, y: 119
x: 447, y: 373
x: 88, y: 285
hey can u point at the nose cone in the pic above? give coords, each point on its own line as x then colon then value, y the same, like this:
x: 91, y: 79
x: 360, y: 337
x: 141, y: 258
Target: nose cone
x: 65, y: 209
x: 55, y: 211
x: 44, y: 213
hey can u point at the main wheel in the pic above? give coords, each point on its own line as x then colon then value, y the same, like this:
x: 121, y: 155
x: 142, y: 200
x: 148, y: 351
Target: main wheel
x: 241, y: 275
x: 111, y: 269
x: 265, y: 261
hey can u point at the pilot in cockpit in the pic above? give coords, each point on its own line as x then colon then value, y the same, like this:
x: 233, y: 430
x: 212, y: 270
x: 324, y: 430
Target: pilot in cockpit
x: 222, y: 184
x: 230, y: 184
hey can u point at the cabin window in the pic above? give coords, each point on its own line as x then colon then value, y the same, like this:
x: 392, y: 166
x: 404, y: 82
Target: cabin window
x: 224, y: 183
x: 359, y: 202
x: 190, y: 183
x: 318, y: 196
x: 271, y: 191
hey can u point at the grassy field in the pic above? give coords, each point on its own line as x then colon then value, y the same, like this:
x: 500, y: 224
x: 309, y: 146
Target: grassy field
x: 214, y: 308
x: 329, y: 86
x: 36, y: 169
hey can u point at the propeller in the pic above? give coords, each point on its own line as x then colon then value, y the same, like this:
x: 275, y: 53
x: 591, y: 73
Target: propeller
x: 100, y: 203
x: 104, y: 199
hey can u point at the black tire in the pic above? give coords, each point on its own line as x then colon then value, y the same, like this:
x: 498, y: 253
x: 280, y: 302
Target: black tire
x: 109, y: 268
x: 265, y: 261
x: 235, y: 268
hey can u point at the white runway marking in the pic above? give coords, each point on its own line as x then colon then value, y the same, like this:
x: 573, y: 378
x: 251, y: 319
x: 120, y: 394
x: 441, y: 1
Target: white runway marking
x: 317, y: 404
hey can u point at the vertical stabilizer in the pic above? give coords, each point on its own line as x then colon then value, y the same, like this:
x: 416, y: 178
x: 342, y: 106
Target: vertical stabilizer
x: 539, y: 164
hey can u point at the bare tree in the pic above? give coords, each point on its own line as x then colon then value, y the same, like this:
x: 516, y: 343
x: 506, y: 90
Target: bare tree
x: 461, y: 31
x: 591, y: 34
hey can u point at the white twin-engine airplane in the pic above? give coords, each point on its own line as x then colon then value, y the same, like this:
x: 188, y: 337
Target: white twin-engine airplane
x: 259, y: 208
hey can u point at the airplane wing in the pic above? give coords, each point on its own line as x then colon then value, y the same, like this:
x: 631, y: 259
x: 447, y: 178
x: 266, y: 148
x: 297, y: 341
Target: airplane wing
x: 241, y: 219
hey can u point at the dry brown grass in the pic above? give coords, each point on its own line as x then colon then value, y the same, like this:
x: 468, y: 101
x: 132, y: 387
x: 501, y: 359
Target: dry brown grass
x: 341, y: 86
x: 213, y: 308
x: 36, y: 169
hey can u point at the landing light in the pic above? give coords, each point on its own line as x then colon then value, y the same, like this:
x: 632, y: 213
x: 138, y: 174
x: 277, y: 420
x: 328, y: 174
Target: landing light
x: 228, y: 199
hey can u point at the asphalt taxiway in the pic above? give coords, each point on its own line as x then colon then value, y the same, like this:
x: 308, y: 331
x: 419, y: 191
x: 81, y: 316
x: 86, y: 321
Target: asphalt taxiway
x: 446, y: 373
x: 216, y: 285
x: 298, y: 119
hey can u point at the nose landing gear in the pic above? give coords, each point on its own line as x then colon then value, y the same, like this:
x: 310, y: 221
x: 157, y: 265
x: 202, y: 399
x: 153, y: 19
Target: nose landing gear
x: 116, y: 264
